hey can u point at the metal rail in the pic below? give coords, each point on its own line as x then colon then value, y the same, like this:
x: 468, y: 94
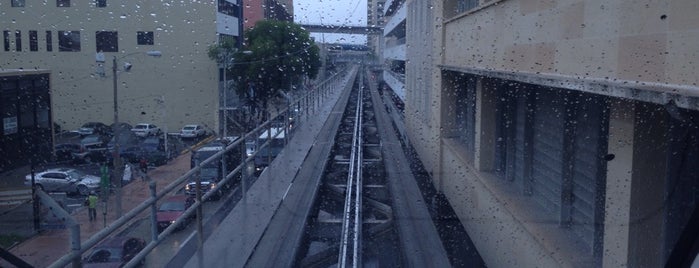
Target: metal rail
x: 352, y: 218
x: 311, y: 98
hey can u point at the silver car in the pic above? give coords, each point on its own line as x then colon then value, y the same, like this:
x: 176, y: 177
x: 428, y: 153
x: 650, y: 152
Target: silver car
x: 64, y: 180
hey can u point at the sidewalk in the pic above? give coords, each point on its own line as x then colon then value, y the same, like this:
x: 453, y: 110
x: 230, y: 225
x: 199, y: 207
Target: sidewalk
x: 48, y: 246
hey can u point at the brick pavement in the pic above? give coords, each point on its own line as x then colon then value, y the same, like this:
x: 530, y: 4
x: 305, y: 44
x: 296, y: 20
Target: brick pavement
x: 48, y: 246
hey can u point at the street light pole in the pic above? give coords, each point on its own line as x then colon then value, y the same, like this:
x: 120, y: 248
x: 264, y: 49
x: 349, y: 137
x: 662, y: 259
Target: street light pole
x: 118, y: 165
x: 115, y: 154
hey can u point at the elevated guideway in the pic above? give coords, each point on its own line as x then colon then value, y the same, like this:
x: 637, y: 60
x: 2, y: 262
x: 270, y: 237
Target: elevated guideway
x: 234, y: 241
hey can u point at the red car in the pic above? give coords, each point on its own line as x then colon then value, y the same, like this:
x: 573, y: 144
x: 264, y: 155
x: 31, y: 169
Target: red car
x: 114, y: 252
x: 171, y: 209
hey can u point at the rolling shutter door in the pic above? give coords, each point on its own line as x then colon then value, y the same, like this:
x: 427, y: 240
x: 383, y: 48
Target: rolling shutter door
x: 510, y: 151
x: 588, y: 169
x: 547, y: 151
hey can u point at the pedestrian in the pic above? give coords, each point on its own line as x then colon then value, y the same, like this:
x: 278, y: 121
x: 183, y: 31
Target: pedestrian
x: 143, y: 165
x: 91, y: 202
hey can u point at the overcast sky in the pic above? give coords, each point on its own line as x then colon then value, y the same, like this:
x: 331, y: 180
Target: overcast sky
x: 332, y: 12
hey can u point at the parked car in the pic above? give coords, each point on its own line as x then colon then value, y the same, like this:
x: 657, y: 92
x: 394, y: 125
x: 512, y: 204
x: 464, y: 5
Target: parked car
x: 134, y: 154
x: 64, y: 180
x: 114, y: 252
x: 172, y: 209
x: 192, y: 131
x: 126, y: 139
x: 123, y: 126
x: 145, y: 130
x: 66, y: 151
x: 90, y: 128
x: 93, y: 148
x: 153, y: 144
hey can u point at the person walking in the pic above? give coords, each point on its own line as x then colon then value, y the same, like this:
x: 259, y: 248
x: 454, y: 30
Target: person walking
x: 143, y: 166
x: 91, y: 202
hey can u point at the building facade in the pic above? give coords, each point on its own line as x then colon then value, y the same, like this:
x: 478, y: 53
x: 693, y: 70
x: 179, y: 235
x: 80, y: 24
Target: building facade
x: 563, y: 133
x: 25, y: 109
x: 78, y: 42
x: 394, y: 46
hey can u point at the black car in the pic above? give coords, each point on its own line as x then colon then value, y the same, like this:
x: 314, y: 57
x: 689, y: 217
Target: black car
x: 134, y: 154
x: 66, y: 151
x: 93, y: 149
x: 114, y: 252
x: 91, y: 128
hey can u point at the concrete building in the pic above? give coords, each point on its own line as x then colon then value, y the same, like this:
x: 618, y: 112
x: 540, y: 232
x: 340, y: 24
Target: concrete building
x: 563, y: 133
x: 25, y: 109
x: 393, y: 46
x: 375, y: 17
x: 257, y: 10
x: 78, y: 41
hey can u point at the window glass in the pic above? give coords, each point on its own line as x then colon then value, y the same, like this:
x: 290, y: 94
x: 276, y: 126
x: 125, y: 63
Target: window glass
x: 69, y: 41
x: 107, y: 41
x: 17, y: 3
x: 18, y: 40
x: 6, y: 39
x: 63, y: 3
x: 33, y: 41
x: 49, y: 41
x: 144, y: 38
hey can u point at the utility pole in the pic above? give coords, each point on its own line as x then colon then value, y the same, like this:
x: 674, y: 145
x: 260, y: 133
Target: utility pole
x: 118, y: 166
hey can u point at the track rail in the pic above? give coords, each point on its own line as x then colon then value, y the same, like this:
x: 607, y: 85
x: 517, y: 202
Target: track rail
x: 352, y: 215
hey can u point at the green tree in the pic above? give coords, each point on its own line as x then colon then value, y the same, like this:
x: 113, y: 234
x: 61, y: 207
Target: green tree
x: 280, y: 54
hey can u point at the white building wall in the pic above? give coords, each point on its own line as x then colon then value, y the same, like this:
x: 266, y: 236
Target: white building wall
x: 184, y: 75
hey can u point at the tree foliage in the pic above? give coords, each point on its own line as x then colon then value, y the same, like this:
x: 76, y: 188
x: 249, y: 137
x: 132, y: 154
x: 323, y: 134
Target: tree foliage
x: 281, y: 54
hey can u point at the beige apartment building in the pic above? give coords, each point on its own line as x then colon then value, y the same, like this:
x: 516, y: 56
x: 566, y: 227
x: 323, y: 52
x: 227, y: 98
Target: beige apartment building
x: 170, y: 82
x: 563, y: 132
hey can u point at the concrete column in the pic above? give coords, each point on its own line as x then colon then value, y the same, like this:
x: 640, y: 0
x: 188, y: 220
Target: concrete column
x: 486, y: 113
x: 618, y: 187
x: 648, y: 187
x: 635, y: 185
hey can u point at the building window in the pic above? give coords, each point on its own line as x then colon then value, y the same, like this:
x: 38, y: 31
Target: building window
x: 18, y: 40
x: 33, y: 41
x: 144, y: 38
x: 69, y: 41
x: 548, y: 145
x: 461, y: 109
x: 466, y: 5
x: 63, y: 3
x: 17, y: 3
x: 228, y: 8
x: 107, y: 41
x: 456, y: 7
x: 101, y: 3
x: 49, y: 41
x: 6, y: 38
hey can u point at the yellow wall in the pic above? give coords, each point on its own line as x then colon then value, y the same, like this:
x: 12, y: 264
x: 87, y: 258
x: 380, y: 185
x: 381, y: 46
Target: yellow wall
x: 183, y: 75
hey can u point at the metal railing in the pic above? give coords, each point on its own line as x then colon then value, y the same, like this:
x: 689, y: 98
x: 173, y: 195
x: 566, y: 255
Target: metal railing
x: 309, y: 101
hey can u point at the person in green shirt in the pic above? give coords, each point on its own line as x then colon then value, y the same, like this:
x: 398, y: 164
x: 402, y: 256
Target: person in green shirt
x: 91, y: 203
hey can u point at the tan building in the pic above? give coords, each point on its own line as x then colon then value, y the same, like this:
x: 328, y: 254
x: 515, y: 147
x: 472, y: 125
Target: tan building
x: 563, y: 133
x: 178, y: 87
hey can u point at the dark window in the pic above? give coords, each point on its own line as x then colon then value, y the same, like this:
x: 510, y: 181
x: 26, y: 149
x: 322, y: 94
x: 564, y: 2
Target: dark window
x: 144, y: 38
x: 33, y: 41
x: 227, y: 8
x: 6, y: 38
x: 466, y: 5
x: 69, y: 41
x: 18, y: 40
x: 101, y: 3
x: 49, y: 41
x: 62, y: 3
x: 17, y: 3
x: 107, y: 41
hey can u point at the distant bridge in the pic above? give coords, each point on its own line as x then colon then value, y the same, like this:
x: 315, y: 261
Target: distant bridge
x: 370, y: 30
